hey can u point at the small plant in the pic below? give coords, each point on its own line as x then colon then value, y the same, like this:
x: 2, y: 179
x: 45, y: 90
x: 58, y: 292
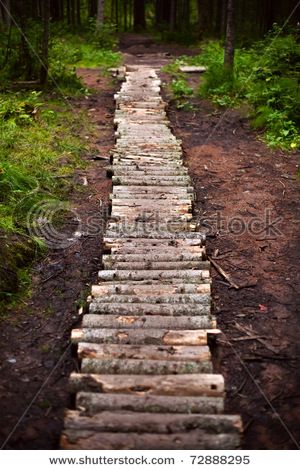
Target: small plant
x: 181, y: 91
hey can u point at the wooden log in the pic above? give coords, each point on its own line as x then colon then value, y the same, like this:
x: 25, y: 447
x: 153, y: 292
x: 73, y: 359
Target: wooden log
x: 192, y: 275
x: 148, y: 309
x: 92, y: 403
x: 192, y: 68
x: 190, y: 385
x: 167, y: 252
x: 174, y: 161
x: 145, y: 322
x: 184, y: 236
x: 156, y: 289
x: 203, y: 299
x: 143, y: 352
x: 163, y: 168
x: 156, y: 265
x: 195, y: 439
x: 119, y: 243
x: 178, y: 220
x: 152, y: 181
x: 147, y: 211
x: 154, y: 226
x: 142, y: 172
x: 151, y: 367
x: 171, y: 198
x: 162, y: 190
x: 153, y: 423
x: 149, y: 203
x: 157, y: 255
x: 146, y: 336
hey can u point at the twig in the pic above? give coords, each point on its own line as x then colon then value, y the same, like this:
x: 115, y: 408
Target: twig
x: 246, y: 338
x: 240, y: 387
x: 223, y: 273
x: 251, y: 334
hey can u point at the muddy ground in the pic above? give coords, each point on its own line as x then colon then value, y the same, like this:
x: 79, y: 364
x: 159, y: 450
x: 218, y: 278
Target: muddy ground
x: 247, y: 198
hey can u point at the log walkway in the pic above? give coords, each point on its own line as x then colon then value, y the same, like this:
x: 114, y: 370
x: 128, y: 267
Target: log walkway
x: 146, y: 379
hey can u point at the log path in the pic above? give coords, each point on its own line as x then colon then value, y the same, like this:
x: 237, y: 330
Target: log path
x: 146, y: 379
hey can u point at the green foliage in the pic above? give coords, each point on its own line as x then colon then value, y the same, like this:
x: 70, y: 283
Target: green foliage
x: 181, y: 92
x: 40, y: 142
x: 68, y: 52
x: 269, y: 82
x: 103, y: 36
x: 34, y: 138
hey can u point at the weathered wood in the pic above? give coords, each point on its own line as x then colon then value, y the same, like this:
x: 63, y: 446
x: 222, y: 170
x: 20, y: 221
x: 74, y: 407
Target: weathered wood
x: 155, y: 289
x: 157, y: 322
x: 145, y: 336
x: 167, y: 251
x: 152, y: 181
x: 144, y: 203
x: 185, y: 237
x: 95, y: 402
x: 177, y: 255
x: 192, y: 275
x: 152, y: 422
x: 137, y: 172
x: 89, y: 440
x: 148, y: 309
x: 190, y: 385
x: 152, y: 190
x: 192, y: 68
x: 203, y: 299
x: 156, y: 265
x: 145, y: 352
x: 178, y: 220
x: 149, y: 227
x: 143, y: 366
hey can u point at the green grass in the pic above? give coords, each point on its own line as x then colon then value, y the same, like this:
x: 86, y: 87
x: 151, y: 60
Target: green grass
x: 41, y: 140
x: 69, y: 52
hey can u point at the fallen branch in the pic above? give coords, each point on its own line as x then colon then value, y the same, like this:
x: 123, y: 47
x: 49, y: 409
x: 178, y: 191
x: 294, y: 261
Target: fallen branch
x: 223, y: 273
x: 252, y: 334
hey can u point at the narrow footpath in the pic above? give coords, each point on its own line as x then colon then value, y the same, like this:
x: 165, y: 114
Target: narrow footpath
x: 147, y: 379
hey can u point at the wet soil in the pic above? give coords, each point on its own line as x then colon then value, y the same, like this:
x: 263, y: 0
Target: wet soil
x: 247, y: 198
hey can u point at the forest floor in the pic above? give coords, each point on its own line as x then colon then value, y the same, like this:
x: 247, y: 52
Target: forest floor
x: 247, y: 197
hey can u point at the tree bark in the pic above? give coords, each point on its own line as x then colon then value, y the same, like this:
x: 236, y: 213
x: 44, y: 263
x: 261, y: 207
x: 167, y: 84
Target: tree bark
x: 100, y: 12
x: 173, y: 15
x: 229, y: 41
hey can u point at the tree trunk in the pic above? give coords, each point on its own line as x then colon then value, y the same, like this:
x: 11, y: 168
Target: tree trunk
x: 45, y: 42
x: 139, y: 15
x: 229, y: 41
x: 204, y: 21
x: 92, y: 8
x: 100, y: 12
x: 173, y: 15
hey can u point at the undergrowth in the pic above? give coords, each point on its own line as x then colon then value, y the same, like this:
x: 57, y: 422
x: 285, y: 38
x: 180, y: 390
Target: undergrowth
x: 266, y: 76
x: 69, y: 52
x: 94, y: 47
x: 40, y: 143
